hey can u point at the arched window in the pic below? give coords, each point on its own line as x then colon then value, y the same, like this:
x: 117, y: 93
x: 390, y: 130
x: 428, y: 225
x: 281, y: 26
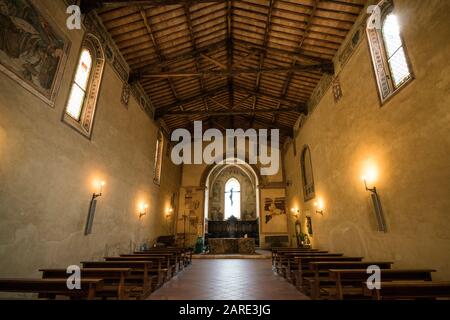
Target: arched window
x: 80, y: 109
x: 232, y: 199
x: 158, y: 158
x: 389, y: 56
x: 307, y: 174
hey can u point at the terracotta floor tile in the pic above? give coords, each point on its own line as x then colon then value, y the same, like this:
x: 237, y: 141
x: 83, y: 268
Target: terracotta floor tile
x: 228, y: 279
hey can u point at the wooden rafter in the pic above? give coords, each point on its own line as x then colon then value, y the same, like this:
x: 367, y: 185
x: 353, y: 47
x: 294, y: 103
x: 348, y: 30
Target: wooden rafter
x: 232, y: 63
x: 294, y: 63
x: 321, y: 67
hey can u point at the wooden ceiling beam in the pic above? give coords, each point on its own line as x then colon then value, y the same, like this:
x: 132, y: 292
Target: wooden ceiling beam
x: 232, y: 112
x: 294, y: 63
x: 89, y: 5
x: 160, y: 112
x: 251, y: 46
x: 284, y: 101
x: 189, y: 55
x: 321, y: 67
x: 230, y: 81
x: 264, y: 52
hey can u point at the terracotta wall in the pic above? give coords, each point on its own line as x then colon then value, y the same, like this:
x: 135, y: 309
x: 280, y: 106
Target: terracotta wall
x: 407, y: 140
x: 47, y: 172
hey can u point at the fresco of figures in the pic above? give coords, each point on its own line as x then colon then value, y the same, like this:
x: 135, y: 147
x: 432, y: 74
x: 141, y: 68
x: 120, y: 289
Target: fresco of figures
x: 31, y: 50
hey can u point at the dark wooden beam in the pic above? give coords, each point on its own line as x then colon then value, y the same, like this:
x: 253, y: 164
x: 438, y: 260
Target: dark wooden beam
x: 112, y: 4
x: 285, y: 53
x: 300, y: 45
x: 160, y: 112
x: 291, y: 103
x: 321, y: 67
x: 232, y: 112
x: 189, y: 55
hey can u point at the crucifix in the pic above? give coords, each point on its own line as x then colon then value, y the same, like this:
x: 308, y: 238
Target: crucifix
x: 231, y: 192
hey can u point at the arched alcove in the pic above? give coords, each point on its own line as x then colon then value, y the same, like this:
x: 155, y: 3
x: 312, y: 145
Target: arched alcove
x: 214, y: 179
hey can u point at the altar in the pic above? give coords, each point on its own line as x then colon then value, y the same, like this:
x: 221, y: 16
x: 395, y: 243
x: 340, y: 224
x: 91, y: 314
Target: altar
x: 232, y: 246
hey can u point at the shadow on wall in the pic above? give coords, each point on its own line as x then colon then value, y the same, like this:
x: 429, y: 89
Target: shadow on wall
x: 345, y: 233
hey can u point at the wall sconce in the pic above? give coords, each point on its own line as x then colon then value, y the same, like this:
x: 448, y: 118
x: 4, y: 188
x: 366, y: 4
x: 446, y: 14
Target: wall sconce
x: 169, y: 213
x: 319, y: 206
x: 295, y: 213
x: 92, y: 207
x: 101, y: 184
x: 143, y: 210
x: 371, y: 177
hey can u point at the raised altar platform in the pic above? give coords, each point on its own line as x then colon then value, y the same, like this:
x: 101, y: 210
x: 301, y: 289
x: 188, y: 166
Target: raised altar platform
x: 231, y: 246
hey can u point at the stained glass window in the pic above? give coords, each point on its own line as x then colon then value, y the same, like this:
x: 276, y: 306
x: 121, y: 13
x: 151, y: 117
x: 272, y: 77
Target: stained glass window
x: 232, y: 199
x: 395, y: 52
x: 78, y: 92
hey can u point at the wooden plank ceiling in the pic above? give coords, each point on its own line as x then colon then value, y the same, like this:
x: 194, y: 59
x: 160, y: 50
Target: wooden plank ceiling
x: 231, y: 64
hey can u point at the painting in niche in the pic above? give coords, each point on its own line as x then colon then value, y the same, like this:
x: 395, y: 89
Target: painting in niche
x: 32, y: 51
x: 274, y: 207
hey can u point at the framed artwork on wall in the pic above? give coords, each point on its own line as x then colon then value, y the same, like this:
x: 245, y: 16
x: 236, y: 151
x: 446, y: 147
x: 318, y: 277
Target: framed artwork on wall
x: 33, y: 51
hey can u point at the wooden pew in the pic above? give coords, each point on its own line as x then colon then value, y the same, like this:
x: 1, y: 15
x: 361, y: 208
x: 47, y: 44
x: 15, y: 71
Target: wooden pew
x: 139, y: 274
x: 50, y: 288
x: 185, y: 253
x: 161, y: 267
x: 175, y: 257
x: 351, y: 281
x: 321, y: 271
x: 411, y: 290
x: 277, y: 251
x: 304, y: 271
x: 171, y: 260
x: 286, y: 263
x: 114, y: 280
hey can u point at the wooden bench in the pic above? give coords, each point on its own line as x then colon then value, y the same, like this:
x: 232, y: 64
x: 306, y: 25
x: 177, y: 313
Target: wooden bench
x: 184, y: 253
x: 351, y: 282
x: 410, y: 290
x: 50, y: 288
x: 171, y: 261
x: 114, y: 280
x: 302, y: 269
x: 277, y: 251
x: 139, y: 274
x: 321, y: 269
x: 160, y: 269
x: 287, y: 261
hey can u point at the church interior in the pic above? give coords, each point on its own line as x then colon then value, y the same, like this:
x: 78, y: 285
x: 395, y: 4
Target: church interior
x: 344, y: 102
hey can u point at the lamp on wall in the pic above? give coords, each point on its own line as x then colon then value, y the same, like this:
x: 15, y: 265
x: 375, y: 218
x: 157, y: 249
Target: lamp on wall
x: 295, y: 213
x: 100, y: 185
x: 370, y: 177
x: 143, y: 210
x: 169, y: 213
x: 93, y: 205
x: 319, y: 204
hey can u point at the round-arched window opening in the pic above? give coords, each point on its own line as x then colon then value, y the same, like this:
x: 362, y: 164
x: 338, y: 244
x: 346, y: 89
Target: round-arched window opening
x: 232, y: 199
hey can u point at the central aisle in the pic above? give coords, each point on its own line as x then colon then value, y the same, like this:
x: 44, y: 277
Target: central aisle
x: 228, y: 279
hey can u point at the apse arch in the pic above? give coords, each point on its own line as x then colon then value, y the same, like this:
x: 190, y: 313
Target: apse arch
x: 214, y: 170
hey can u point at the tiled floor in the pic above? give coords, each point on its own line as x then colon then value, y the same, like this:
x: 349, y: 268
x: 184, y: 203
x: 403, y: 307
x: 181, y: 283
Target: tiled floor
x: 228, y: 279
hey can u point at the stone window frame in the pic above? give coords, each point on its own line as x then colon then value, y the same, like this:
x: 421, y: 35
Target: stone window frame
x: 86, y: 123
x: 157, y: 168
x: 309, y: 191
x: 381, y: 67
